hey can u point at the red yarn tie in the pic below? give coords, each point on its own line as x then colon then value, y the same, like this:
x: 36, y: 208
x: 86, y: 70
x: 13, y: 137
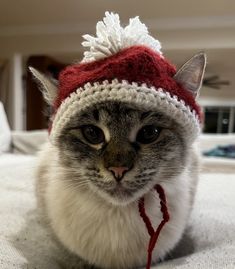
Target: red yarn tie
x: 165, y: 218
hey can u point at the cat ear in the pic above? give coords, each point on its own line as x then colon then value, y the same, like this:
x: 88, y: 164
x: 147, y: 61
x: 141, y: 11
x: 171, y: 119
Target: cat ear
x: 48, y: 86
x: 190, y: 75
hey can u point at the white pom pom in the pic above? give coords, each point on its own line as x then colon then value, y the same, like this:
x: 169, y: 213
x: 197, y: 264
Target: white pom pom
x: 111, y: 37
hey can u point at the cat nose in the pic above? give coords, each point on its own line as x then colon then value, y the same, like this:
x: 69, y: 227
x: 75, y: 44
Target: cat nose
x: 118, y: 172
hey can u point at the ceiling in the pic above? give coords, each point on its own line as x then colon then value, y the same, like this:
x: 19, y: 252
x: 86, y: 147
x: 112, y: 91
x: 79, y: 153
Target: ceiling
x: 32, y: 12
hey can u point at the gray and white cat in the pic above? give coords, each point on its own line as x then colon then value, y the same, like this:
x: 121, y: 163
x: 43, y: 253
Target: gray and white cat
x: 106, y: 159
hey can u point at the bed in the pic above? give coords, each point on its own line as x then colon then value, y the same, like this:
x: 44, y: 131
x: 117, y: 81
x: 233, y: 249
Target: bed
x: 209, y: 241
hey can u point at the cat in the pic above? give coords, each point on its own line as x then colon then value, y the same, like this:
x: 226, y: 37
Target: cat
x: 123, y: 127
x: 106, y: 159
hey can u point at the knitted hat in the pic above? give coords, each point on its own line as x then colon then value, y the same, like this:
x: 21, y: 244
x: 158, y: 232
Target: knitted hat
x: 127, y: 65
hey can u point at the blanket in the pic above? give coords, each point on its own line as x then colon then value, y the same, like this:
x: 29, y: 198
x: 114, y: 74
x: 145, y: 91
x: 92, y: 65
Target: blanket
x: 209, y: 241
x: 227, y: 151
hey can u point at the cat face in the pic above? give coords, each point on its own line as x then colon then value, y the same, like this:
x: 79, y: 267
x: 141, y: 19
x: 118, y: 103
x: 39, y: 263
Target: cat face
x: 121, y: 152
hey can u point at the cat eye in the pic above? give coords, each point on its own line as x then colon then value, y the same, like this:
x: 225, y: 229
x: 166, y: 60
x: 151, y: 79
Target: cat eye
x: 148, y: 134
x: 93, y: 134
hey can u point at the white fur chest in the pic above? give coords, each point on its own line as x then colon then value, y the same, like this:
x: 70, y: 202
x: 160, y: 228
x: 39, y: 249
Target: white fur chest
x: 113, y: 236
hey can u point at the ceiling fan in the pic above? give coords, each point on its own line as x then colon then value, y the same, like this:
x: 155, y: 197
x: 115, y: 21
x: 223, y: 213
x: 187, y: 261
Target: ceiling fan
x: 214, y: 82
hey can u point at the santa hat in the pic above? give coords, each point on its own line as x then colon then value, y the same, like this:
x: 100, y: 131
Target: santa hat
x: 126, y: 65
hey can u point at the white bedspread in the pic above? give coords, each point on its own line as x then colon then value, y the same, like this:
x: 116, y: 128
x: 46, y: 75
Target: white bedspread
x: 24, y: 242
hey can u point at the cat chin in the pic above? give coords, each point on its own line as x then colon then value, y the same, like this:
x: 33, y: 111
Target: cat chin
x: 119, y: 198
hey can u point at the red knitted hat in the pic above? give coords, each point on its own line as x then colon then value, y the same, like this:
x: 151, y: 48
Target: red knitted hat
x: 124, y: 64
